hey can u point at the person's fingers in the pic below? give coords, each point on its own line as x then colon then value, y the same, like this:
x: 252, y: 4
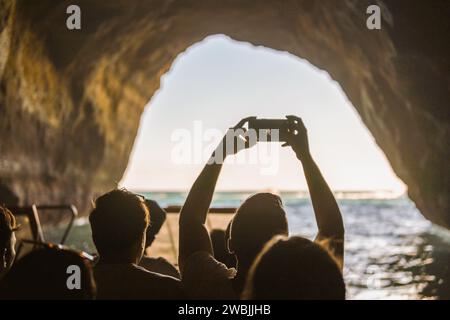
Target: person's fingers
x: 292, y: 129
x: 289, y: 137
x: 251, y: 139
x: 296, y: 124
x: 242, y: 122
x: 241, y: 139
x: 295, y: 118
x: 241, y: 133
x: 292, y: 120
x: 292, y: 123
x: 247, y: 143
x: 298, y: 121
x: 290, y: 126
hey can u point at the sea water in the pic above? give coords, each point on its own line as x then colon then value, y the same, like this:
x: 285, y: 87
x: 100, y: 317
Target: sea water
x: 391, y: 251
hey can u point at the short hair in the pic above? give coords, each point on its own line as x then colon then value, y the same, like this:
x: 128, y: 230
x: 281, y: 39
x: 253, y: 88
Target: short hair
x: 42, y: 274
x: 257, y: 220
x: 8, y: 225
x: 294, y: 269
x: 118, y: 220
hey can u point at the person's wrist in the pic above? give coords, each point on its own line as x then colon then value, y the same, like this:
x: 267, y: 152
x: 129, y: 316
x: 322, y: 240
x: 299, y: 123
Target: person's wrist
x: 304, y: 156
x: 219, y: 152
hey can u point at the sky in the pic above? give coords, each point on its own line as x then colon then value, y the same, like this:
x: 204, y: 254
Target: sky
x: 217, y: 82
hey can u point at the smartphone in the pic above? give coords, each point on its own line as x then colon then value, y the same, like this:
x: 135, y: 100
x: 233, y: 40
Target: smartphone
x: 269, y: 130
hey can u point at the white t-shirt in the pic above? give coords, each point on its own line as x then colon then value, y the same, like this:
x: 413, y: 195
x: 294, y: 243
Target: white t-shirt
x: 204, y: 277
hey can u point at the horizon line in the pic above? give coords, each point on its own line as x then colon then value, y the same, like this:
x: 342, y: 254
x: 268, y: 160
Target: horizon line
x: 137, y: 190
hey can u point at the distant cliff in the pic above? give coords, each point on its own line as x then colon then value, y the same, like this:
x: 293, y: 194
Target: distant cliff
x: 71, y: 101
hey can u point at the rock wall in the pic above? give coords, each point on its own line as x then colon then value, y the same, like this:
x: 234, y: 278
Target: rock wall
x: 71, y: 101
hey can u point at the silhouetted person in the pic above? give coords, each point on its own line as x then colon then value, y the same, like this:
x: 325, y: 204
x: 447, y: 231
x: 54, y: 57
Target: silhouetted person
x: 257, y: 220
x: 159, y: 264
x: 44, y: 274
x: 7, y: 240
x: 219, y: 240
x: 119, y: 222
x: 7, y: 197
x: 292, y: 269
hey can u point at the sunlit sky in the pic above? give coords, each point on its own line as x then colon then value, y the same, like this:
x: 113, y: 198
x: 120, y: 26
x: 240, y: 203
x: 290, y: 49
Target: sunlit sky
x: 219, y: 81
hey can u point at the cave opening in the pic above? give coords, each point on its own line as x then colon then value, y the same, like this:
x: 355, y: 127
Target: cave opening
x: 218, y: 81
x: 71, y: 102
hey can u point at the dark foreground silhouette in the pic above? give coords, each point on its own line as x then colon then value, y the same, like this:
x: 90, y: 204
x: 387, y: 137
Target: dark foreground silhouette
x: 44, y: 274
x: 252, y: 259
x: 256, y: 221
x: 119, y: 222
x: 294, y: 268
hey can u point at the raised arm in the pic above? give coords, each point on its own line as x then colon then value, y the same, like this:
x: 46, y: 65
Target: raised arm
x: 326, y: 209
x: 193, y: 233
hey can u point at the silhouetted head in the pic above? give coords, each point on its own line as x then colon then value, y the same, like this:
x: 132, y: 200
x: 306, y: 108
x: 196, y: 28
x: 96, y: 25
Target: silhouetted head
x: 8, y: 197
x: 7, y: 239
x: 294, y: 268
x: 257, y: 220
x: 119, y: 222
x: 50, y: 273
x: 158, y: 216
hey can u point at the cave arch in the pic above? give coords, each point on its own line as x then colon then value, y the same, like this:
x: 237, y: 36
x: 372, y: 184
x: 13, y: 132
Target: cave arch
x: 81, y: 107
x: 218, y: 81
